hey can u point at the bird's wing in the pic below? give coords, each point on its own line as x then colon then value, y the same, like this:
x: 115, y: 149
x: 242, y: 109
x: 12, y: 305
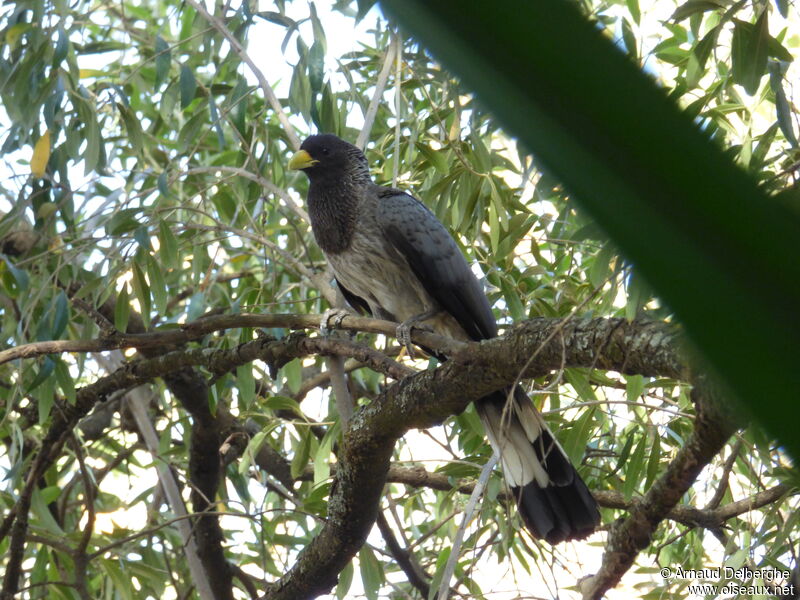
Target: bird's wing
x: 354, y: 300
x: 436, y: 260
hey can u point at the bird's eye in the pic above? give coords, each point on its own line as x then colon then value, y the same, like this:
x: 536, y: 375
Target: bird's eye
x: 325, y: 151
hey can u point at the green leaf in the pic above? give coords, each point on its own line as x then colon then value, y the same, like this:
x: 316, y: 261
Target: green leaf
x: 293, y: 372
x: 163, y: 184
x: 515, y: 307
x: 167, y: 246
x: 65, y: 381
x: 629, y: 38
x: 188, y: 86
x: 132, y: 126
x: 46, y: 398
x: 47, y: 368
x: 634, y: 386
x: 61, y: 315
x: 782, y: 109
x: 42, y: 517
x: 700, y: 53
x: 601, y: 266
x: 363, y: 7
x: 749, y: 52
x: 633, y: 470
x: 633, y: 8
x: 141, y: 290
x: 345, y: 581
x: 300, y: 93
x: 437, y: 158
x: 579, y: 379
x: 163, y: 59
x: 441, y: 565
x: 371, y: 572
x: 654, y: 460
x: 158, y: 287
x: 657, y: 185
x: 122, y: 310
x: 123, y: 221
x: 494, y: 227
x: 319, y: 31
x: 316, y: 67
x: 121, y: 581
x: 302, y: 453
x: 277, y: 403
x: 578, y: 437
x: 189, y: 132
x: 215, y: 122
x: 624, y: 454
x: 142, y: 236
x: 94, y: 152
x: 639, y: 294
x: 322, y: 459
x: 246, y: 384
x: 254, y: 446
x: 19, y: 278
x: 692, y: 7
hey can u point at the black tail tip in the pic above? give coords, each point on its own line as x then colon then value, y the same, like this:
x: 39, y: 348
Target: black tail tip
x: 558, y: 513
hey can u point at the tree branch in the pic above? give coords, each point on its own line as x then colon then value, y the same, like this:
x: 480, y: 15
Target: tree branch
x: 405, y: 560
x: 380, y: 87
x: 629, y: 536
x: 269, y: 94
x: 203, y: 326
x: 418, y: 401
x: 427, y: 398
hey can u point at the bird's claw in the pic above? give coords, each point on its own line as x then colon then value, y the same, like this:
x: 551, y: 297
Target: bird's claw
x: 403, y: 332
x: 332, y: 319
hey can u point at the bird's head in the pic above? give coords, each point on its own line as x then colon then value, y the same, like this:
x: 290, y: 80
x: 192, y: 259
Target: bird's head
x: 326, y: 157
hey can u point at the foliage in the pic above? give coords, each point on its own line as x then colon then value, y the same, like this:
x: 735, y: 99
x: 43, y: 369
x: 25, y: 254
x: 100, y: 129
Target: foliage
x: 144, y: 185
x: 658, y: 206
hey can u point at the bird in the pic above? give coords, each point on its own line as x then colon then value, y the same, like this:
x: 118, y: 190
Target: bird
x: 392, y: 258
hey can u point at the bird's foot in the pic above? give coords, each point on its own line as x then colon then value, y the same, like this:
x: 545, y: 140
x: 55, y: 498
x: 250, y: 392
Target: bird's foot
x: 403, y: 331
x: 332, y: 319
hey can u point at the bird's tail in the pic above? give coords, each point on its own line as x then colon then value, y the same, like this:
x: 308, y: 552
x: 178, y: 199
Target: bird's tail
x: 552, y: 499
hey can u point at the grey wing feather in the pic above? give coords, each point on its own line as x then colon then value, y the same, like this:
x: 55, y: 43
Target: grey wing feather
x: 436, y: 261
x: 354, y: 300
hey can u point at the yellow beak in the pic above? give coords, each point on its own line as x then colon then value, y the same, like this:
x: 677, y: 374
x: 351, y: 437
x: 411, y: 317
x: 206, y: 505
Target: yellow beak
x: 301, y: 160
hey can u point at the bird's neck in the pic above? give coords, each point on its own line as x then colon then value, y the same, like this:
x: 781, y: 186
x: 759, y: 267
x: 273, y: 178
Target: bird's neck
x: 333, y: 210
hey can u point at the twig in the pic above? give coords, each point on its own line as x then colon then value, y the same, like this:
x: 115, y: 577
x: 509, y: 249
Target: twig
x: 377, y: 96
x: 79, y: 556
x: 405, y: 560
x: 455, y: 549
x: 269, y: 94
x: 259, y: 179
x: 719, y: 493
x: 397, y: 108
x: 138, y: 407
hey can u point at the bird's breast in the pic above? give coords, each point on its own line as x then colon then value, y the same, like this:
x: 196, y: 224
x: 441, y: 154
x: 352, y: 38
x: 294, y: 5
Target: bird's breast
x: 373, y: 270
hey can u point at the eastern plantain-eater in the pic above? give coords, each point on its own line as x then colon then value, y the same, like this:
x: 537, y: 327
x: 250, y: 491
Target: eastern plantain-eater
x: 393, y: 258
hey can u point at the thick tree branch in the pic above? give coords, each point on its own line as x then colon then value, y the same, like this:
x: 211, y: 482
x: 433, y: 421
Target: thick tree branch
x: 429, y: 397
x: 419, y: 401
x: 708, y: 518
x: 198, y: 329
x: 629, y: 536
